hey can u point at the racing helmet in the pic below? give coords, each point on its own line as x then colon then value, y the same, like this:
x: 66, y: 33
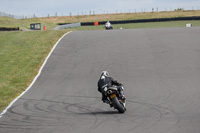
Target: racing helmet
x: 104, y: 73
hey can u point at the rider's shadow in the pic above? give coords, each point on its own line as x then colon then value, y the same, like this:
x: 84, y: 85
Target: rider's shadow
x: 99, y: 113
x: 105, y: 112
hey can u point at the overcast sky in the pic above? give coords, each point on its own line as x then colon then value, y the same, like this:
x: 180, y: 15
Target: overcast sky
x: 42, y: 8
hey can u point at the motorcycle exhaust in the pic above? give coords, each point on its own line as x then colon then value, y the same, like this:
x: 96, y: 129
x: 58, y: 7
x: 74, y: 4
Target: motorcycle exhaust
x: 110, y: 92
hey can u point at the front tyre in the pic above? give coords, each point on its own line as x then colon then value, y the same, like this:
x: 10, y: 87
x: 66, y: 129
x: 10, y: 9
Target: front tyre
x: 117, y: 105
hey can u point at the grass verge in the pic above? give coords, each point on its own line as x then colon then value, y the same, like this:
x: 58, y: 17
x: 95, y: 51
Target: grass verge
x: 21, y: 55
x: 24, y: 23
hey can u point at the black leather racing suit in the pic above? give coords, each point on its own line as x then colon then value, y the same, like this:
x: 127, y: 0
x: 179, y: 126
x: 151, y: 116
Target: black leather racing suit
x: 108, y: 82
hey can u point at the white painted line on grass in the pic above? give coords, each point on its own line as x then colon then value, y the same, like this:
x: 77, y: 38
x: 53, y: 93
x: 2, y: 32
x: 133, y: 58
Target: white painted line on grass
x: 40, y: 70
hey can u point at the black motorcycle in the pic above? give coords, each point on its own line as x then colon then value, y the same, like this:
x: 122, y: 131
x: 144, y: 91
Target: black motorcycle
x: 115, y: 100
x: 108, y: 27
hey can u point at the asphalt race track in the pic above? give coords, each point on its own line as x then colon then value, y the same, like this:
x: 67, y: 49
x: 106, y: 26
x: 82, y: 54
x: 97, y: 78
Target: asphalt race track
x: 160, y: 70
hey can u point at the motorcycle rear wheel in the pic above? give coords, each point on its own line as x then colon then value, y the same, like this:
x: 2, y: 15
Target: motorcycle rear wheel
x: 117, y: 105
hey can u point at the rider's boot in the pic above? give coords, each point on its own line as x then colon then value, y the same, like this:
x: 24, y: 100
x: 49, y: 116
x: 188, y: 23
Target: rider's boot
x: 104, y: 99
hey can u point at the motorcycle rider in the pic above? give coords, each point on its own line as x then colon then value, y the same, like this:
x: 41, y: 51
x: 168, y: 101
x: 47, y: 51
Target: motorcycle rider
x: 108, y: 25
x: 106, y: 81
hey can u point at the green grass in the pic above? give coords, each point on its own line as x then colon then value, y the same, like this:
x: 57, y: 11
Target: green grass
x: 143, y: 25
x: 24, y: 23
x: 21, y: 55
x: 120, y: 16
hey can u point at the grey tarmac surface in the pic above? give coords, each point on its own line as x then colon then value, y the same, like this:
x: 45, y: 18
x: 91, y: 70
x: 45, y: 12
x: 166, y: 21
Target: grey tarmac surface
x: 160, y: 70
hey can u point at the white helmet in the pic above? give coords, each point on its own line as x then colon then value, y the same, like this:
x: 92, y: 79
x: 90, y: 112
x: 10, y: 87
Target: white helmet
x: 104, y: 73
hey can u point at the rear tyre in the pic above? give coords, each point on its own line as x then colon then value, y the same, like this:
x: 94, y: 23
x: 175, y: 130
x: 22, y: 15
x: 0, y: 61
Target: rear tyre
x: 117, y: 105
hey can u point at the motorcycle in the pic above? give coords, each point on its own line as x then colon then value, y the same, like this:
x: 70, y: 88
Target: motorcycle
x: 108, y: 26
x: 115, y: 100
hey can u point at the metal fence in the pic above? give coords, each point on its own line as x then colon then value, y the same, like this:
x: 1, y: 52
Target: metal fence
x: 3, y: 14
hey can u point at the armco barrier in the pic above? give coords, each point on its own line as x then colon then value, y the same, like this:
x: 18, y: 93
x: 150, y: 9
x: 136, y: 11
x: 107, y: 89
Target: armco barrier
x: 143, y: 20
x: 9, y: 28
x: 87, y: 23
x: 67, y: 26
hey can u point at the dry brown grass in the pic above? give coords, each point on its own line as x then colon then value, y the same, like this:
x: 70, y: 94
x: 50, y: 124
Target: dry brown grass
x: 121, y: 16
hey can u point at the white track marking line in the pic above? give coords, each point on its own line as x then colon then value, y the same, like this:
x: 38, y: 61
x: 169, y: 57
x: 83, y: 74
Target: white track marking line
x: 39, y: 72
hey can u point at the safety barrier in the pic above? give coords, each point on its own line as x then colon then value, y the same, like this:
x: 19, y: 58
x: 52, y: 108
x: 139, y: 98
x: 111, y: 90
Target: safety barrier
x: 9, y: 28
x: 143, y: 20
x: 96, y: 23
